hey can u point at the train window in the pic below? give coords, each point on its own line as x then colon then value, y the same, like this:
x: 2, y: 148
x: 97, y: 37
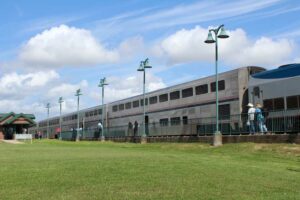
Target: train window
x: 268, y: 104
x: 121, y: 106
x: 128, y: 105
x: 224, y: 111
x: 153, y: 100
x: 175, y: 121
x: 136, y: 104
x: 142, y: 101
x: 187, y: 92
x: 174, y: 95
x: 164, y: 122
x: 221, y: 86
x: 95, y: 112
x: 100, y: 111
x: 115, y: 108
x: 292, y: 102
x: 279, y: 104
x: 86, y: 114
x: 163, y: 97
x: 201, y: 89
x: 185, y: 120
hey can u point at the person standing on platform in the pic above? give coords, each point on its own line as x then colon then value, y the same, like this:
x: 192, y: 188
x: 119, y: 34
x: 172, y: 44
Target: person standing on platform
x: 260, y: 119
x: 251, y: 116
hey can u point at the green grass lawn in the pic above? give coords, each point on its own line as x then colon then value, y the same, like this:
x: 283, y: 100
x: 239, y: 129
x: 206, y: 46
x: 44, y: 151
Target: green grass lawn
x: 94, y: 170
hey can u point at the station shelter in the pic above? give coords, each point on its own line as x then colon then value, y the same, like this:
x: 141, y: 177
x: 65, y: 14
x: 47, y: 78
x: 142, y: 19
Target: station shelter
x: 12, y: 123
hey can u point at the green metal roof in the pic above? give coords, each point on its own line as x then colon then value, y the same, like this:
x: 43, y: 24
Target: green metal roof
x: 29, y: 117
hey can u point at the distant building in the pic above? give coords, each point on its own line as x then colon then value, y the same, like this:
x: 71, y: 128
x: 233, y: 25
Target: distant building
x: 12, y: 123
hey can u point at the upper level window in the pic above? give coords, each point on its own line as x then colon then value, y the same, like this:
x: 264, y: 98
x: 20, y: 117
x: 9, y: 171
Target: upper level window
x: 175, y: 121
x: 121, y: 106
x: 274, y: 104
x: 268, y: 104
x: 292, y: 102
x: 115, y: 108
x: 153, y: 100
x: 221, y: 86
x: 279, y: 104
x: 201, y: 89
x: 136, y: 104
x: 128, y: 105
x: 142, y: 101
x: 174, y: 95
x: 163, y: 97
x: 164, y: 122
x: 187, y: 92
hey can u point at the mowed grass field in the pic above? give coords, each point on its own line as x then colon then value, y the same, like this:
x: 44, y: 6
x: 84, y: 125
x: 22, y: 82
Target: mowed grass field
x: 49, y: 169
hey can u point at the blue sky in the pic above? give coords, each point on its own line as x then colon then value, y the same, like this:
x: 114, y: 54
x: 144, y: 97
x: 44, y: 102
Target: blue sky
x: 50, y: 48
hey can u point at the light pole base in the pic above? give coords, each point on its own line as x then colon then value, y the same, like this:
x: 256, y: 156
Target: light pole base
x: 143, y: 139
x: 102, y: 138
x: 217, y: 139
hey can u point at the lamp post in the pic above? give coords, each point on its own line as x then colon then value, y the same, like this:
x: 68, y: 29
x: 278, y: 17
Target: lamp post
x: 218, y: 33
x: 143, y: 66
x: 48, y: 110
x: 78, y: 93
x: 60, y: 101
x: 102, y: 83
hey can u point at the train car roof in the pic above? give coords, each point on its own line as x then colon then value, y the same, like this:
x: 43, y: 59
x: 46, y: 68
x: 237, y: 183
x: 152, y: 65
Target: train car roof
x: 284, y: 71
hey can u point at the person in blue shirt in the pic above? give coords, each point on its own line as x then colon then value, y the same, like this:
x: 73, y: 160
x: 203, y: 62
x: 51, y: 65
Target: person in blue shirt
x: 260, y: 119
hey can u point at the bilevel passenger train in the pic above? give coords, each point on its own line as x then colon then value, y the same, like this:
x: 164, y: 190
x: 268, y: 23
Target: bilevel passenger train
x: 183, y: 103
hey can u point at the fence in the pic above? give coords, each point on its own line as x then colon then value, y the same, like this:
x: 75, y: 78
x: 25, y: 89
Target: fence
x: 276, y: 122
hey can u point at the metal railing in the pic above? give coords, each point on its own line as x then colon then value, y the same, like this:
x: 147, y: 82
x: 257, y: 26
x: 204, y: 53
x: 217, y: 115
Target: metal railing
x: 276, y: 122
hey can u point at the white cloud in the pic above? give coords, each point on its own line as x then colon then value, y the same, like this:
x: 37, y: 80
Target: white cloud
x: 240, y: 50
x: 19, y: 106
x: 120, y: 88
x: 65, y: 46
x: 16, y: 86
x: 264, y: 51
x: 29, y: 93
x: 66, y: 89
x: 184, y: 13
x: 131, y: 46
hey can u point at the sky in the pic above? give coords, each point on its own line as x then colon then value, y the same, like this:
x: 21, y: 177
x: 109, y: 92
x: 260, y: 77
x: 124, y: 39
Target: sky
x: 52, y: 48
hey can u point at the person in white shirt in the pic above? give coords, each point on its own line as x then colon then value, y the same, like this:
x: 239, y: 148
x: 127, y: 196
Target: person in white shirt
x: 251, y: 116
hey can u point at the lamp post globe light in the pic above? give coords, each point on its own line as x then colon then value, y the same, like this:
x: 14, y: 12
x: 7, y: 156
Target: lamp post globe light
x: 102, y: 83
x: 78, y: 94
x: 218, y: 33
x: 60, y: 101
x: 143, y: 66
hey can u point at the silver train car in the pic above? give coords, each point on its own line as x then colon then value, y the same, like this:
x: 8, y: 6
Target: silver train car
x: 169, y: 106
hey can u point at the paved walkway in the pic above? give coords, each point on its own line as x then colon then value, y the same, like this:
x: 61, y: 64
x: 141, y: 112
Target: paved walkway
x: 12, y: 141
